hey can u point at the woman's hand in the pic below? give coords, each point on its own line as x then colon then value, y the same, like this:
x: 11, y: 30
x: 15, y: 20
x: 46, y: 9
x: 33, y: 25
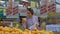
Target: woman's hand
x: 37, y: 26
x: 23, y: 26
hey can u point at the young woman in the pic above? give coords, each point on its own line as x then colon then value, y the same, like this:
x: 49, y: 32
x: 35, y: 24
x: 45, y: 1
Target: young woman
x: 32, y: 20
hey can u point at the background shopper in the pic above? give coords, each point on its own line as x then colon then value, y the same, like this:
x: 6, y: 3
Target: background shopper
x: 32, y: 20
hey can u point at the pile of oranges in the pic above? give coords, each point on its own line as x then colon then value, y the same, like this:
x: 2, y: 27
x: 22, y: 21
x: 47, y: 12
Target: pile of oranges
x: 8, y: 30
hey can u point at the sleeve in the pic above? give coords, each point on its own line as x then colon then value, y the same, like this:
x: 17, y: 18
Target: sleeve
x: 36, y: 20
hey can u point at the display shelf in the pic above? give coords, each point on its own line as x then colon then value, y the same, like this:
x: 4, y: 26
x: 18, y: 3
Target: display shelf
x: 10, y: 22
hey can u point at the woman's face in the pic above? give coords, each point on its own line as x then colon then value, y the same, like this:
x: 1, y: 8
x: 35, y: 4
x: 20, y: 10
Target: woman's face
x: 29, y: 14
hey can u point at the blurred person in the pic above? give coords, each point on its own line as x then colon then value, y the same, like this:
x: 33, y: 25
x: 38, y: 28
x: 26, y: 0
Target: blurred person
x: 32, y: 20
x: 24, y: 23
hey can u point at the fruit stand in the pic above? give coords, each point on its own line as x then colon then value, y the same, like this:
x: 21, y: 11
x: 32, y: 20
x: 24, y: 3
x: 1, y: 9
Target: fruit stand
x: 8, y: 30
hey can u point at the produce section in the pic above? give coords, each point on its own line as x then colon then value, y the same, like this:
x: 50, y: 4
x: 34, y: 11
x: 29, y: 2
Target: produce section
x: 8, y: 30
x: 29, y: 17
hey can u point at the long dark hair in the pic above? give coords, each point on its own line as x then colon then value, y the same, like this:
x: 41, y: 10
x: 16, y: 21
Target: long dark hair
x: 31, y: 10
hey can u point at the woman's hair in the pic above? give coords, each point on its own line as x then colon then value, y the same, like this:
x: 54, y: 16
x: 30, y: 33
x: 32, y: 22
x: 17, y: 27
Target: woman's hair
x: 30, y: 10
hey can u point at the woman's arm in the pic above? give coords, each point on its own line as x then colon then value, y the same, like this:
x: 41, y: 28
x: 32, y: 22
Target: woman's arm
x: 36, y: 22
x: 24, y: 25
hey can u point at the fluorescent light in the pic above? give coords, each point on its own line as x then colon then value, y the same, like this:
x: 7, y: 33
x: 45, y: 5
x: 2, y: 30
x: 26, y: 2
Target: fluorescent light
x: 20, y: 5
x: 25, y: 0
x: 2, y: 1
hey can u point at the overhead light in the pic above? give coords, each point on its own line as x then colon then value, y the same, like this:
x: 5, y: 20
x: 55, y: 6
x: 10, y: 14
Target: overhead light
x: 20, y: 5
x: 2, y: 1
x: 29, y: 6
x: 24, y: 0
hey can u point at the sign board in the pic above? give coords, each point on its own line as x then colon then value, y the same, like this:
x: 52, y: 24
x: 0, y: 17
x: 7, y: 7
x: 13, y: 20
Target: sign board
x: 33, y: 4
x: 22, y: 11
x: 15, y: 10
x: 52, y: 7
x: 14, y: 13
x: 43, y: 6
x: 47, y: 6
